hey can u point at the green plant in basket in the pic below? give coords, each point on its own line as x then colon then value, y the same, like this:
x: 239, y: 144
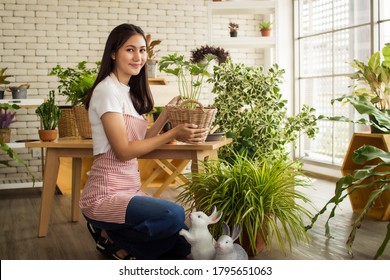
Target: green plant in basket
x: 75, y: 82
x: 190, y: 75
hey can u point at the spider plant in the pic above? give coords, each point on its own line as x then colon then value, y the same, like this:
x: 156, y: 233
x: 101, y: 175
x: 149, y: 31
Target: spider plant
x: 260, y: 195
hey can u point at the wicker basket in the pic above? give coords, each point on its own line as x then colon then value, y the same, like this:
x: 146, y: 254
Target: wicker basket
x: 82, y: 121
x: 201, y: 116
x: 67, y: 126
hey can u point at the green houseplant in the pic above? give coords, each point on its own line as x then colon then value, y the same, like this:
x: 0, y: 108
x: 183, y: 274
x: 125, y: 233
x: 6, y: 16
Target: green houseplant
x: 369, y: 175
x: 371, y: 92
x: 3, y: 81
x: 7, y: 114
x: 265, y: 28
x: 152, y: 62
x: 7, y: 117
x: 252, y: 112
x: 260, y: 195
x: 75, y: 84
x: 49, y: 114
x: 233, y: 28
x: 190, y: 75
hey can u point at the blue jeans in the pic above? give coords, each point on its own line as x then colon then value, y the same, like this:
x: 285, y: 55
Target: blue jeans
x: 150, y: 230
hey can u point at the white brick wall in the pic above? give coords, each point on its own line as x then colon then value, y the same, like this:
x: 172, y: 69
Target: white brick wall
x: 36, y: 35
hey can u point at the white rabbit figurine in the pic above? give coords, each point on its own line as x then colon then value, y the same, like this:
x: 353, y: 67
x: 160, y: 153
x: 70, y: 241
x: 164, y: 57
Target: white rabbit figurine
x: 199, y: 236
x: 225, y: 247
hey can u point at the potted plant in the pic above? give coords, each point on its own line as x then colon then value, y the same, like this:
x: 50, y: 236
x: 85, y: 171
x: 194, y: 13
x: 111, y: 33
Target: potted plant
x: 3, y: 81
x: 49, y: 114
x: 233, y: 27
x: 152, y: 53
x: 19, y: 92
x: 374, y: 173
x: 252, y: 112
x: 7, y: 117
x: 371, y: 92
x: 191, y: 76
x: 75, y: 84
x: 260, y: 195
x: 265, y: 28
x: 199, y: 54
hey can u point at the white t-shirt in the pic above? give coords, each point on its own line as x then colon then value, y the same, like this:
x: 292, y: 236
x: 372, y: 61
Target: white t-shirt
x: 108, y: 96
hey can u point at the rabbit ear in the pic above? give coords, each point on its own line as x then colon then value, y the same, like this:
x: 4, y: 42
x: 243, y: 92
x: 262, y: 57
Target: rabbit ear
x: 236, y: 231
x: 225, y: 229
x: 214, y: 218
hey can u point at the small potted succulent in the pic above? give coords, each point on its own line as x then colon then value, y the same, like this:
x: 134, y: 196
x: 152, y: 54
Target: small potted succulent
x: 3, y: 81
x: 265, y: 28
x: 233, y: 27
x: 49, y: 113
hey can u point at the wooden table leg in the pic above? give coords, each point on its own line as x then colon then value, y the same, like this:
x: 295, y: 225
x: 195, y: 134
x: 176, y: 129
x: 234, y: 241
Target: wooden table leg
x: 76, y: 186
x: 49, y: 185
x: 175, y: 172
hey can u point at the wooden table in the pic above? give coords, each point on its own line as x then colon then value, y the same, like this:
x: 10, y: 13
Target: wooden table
x: 77, y: 148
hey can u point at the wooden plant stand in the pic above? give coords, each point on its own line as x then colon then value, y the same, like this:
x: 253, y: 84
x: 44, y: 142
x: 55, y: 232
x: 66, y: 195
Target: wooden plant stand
x: 381, y: 209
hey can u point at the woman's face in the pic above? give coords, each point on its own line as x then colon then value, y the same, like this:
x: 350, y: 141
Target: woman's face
x: 130, y: 58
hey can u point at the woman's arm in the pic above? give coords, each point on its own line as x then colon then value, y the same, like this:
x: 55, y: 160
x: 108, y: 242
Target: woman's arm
x: 115, y: 129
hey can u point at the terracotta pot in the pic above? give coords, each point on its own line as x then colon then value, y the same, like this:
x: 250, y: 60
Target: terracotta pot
x: 47, y: 135
x: 265, y: 32
x: 260, y: 244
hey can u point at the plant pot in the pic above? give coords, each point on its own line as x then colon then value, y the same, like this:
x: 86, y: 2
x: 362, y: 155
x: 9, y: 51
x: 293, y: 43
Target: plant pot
x: 47, y: 135
x: 1, y: 94
x: 67, y: 126
x: 82, y: 121
x: 233, y: 33
x: 260, y: 244
x: 5, y: 135
x: 265, y: 32
x: 152, y: 68
x: 201, y: 116
x: 19, y: 92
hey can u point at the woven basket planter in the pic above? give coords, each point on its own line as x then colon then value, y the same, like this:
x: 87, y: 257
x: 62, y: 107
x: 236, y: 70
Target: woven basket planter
x: 201, y: 116
x: 82, y: 121
x: 67, y: 126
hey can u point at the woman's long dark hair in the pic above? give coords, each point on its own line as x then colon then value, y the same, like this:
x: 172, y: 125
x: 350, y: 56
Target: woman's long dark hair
x: 140, y: 92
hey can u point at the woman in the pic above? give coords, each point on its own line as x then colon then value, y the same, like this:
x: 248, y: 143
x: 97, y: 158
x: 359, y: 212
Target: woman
x: 125, y: 222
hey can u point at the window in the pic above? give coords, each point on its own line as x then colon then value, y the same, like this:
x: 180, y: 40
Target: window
x: 329, y: 34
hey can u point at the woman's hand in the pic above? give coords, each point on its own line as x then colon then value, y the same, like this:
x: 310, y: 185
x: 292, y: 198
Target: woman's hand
x: 190, y: 133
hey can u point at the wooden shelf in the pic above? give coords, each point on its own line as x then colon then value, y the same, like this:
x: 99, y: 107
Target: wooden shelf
x: 157, y: 81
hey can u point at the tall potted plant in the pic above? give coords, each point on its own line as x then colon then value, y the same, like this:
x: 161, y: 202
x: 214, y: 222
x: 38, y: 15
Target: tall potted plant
x: 75, y: 84
x: 371, y: 92
x: 49, y: 114
x: 252, y: 112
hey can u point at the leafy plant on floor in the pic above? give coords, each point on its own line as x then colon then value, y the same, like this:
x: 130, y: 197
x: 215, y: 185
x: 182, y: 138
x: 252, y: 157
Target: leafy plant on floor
x: 370, y: 175
x: 260, y: 195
